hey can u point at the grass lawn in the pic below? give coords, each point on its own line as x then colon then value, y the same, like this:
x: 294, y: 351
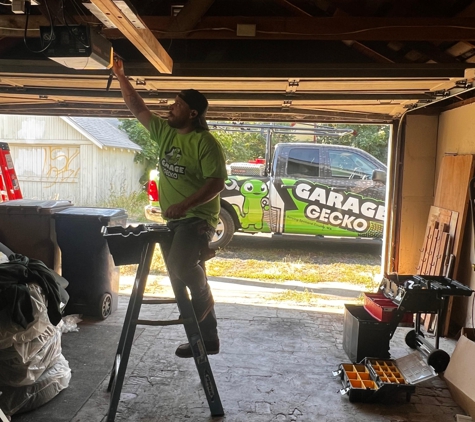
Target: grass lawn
x: 296, y: 258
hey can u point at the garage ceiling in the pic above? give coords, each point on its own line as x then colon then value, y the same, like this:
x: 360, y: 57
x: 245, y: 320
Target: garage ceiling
x: 283, y: 60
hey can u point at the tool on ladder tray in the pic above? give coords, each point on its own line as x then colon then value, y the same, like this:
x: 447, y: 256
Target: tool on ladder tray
x: 9, y: 186
x: 136, y: 245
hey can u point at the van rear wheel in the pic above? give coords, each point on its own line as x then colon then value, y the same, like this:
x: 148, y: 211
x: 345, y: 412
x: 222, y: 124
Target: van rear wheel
x: 224, y: 232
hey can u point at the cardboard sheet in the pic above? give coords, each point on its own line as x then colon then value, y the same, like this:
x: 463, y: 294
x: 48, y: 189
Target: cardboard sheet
x: 460, y: 374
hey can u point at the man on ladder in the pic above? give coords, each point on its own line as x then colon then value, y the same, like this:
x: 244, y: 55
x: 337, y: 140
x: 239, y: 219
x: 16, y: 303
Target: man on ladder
x: 192, y: 174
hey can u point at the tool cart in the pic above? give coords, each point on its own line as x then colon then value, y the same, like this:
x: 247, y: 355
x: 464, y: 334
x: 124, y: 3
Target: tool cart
x: 369, y: 328
x: 416, y: 294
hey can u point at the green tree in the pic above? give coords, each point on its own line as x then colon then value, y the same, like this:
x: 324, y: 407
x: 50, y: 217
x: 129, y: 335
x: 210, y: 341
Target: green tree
x: 240, y: 146
x: 244, y: 143
x: 141, y: 136
x: 373, y: 139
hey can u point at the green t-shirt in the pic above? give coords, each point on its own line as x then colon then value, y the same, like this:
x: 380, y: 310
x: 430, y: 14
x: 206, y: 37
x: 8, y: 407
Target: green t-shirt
x: 185, y: 162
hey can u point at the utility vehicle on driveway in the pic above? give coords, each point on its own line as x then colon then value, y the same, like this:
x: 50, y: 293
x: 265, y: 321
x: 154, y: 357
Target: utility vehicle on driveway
x: 307, y: 188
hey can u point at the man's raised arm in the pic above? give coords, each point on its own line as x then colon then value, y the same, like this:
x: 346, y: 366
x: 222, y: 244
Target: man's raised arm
x: 132, y: 99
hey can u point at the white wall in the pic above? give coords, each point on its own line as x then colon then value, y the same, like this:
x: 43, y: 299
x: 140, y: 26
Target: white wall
x: 54, y: 161
x: 418, y: 180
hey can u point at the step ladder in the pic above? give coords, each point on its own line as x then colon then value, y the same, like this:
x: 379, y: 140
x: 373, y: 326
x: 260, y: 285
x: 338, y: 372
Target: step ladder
x: 136, y: 245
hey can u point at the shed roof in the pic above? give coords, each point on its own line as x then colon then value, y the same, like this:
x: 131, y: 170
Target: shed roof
x: 104, y: 132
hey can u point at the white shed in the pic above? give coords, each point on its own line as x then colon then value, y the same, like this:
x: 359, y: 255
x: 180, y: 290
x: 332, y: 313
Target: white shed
x: 82, y: 159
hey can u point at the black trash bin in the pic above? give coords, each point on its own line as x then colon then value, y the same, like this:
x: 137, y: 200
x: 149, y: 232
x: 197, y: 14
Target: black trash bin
x: 86, y: 261
x: 27, y: 227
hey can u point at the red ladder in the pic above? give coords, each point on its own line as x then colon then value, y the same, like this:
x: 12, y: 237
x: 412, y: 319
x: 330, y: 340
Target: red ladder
x: 9, y: 185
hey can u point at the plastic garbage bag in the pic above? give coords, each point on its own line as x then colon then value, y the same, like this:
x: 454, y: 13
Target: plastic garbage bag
x: 24, y: 363
x: 12, y: 333
x: 70, y: 323
x: 29, y: 397
x: 26, y: 353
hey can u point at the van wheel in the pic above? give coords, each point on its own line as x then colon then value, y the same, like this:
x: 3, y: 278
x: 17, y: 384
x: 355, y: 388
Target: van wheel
x: 224, y: 232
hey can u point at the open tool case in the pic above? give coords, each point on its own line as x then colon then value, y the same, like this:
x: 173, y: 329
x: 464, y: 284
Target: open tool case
x: 379, y: 379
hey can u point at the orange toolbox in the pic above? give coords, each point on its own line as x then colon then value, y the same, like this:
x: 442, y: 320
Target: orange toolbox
x: 383, y: 379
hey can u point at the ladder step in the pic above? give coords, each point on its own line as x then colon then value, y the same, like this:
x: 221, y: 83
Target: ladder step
x: 157, y: 301
x: 163, y: 323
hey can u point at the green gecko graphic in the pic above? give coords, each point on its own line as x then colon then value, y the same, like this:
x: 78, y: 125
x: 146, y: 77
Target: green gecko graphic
x: 174, y: 155
x: 252, y: 213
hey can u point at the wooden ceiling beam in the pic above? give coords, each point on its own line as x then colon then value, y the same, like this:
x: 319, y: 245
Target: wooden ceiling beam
x: 432, y: 52
x: 52, y: 11
x: 49, y: 68
x: 469, y: 11
x: 14, y: 26
x: 327, y: 28
x: 368, y: 52
x: 292, y: 8
x: 7, y: 44
x: 363, y: 48
x: 141, y: 38
x: 189, y: 16
x: 277, y: 28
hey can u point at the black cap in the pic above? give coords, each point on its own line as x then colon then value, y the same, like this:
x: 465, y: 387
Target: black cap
x: 195, y: 100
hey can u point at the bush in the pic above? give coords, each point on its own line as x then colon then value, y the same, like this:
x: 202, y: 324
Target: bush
x: 133, y: 203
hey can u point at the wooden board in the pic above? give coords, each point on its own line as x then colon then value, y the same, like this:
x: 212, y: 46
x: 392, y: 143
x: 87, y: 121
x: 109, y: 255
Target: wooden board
x: 441, y: 227
x: 436, y: 250
x: 452, y: 193
x: 442, y: 255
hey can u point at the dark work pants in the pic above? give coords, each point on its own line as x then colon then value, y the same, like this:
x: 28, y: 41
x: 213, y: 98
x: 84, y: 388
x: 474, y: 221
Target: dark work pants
x: 190, y: 239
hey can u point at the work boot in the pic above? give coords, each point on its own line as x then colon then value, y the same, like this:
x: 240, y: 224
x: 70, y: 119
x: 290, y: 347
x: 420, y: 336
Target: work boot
x: 184, y: 350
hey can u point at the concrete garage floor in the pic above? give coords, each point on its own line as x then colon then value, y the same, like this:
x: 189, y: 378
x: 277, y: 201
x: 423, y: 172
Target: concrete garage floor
x: 275, y: 364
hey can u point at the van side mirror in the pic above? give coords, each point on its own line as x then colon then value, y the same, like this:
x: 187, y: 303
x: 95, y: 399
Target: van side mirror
x: 379, y: 176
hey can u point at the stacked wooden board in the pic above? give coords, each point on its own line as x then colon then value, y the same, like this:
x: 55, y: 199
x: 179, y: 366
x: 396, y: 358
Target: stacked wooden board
x: 440, y: 253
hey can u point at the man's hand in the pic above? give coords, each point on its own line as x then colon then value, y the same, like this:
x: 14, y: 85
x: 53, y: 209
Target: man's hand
x: 206, y: 193
x: 118, y: 66
x: 176, y: 211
